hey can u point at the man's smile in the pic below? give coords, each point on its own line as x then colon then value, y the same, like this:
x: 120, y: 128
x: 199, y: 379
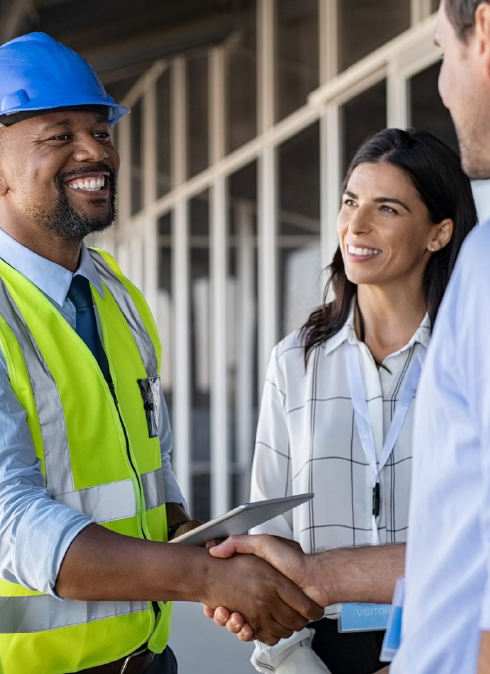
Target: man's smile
x: 93, y: 183
x: 88, y: 183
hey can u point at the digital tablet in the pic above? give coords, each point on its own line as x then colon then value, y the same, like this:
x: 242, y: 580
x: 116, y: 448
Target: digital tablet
x: 241, y: 519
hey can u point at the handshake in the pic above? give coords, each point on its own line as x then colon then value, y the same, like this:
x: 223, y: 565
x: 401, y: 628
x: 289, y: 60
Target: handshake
x: 276, y: 588
x: 287, y: 592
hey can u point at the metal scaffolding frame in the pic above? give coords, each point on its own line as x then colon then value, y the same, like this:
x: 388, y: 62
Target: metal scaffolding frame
x: 395, y: 62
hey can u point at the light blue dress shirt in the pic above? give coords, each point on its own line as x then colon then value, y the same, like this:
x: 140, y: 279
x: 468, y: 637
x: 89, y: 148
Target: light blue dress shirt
x: 36, y: 531
x: 447, y: 595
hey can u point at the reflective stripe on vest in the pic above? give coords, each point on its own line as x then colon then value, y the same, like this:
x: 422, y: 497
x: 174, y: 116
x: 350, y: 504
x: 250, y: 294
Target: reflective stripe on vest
x: 108, y: 502
x: 46, y: 396
x: 153, y: 488
x: 128, y: 308
x: 44, y: 612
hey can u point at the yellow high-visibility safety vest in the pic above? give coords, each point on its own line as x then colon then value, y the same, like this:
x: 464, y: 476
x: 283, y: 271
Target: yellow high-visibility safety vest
x: 100, y: 454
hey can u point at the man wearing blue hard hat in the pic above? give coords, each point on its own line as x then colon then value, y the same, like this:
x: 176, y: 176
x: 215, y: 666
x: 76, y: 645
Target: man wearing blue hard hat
x: 87, y: 495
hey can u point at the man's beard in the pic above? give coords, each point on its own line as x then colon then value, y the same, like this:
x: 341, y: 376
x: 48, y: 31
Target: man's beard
x: 475, y: 159
x: 475, y: 163
x: 69, y: 224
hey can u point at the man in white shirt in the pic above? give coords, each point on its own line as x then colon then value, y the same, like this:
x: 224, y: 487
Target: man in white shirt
x: 446, y: 622
x: 446, y: 619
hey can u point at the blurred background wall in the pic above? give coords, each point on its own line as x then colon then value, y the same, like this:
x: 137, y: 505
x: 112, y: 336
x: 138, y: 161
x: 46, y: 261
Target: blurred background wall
x: 244, y: 114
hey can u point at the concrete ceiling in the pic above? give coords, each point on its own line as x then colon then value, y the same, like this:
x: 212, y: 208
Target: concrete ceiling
x: 120, y: 38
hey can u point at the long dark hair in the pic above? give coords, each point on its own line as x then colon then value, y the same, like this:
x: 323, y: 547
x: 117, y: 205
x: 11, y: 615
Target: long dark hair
x: 436, y: 173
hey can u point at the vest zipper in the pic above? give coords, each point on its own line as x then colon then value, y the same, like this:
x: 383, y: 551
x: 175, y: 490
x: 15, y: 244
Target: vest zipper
x: 110, y: 383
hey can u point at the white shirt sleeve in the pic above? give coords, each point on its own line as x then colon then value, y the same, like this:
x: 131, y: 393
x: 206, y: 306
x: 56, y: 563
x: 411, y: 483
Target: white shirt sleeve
x: 271, y: 478
x: 271, y: 469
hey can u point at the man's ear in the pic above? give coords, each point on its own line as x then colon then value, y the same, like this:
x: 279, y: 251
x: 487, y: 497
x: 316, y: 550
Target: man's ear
x: 482, y: 31
x: 3, y: 183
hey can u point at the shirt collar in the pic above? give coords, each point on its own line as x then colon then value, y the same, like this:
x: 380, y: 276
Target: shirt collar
x: 348, y: 333
x: 51, y: 278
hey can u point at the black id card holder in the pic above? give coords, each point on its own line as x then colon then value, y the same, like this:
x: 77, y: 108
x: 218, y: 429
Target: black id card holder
x: 150, y: 392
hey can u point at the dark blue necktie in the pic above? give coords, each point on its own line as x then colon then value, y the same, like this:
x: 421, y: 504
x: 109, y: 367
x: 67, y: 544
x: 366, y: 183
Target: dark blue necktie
x: 86, y: 324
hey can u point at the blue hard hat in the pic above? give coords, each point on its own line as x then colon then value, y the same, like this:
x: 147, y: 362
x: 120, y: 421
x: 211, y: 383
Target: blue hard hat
x: 39, y: 73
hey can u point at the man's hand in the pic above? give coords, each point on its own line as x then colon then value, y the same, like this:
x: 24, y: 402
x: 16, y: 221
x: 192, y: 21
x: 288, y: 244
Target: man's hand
x: 233, y: 621
x: 185, y: 527
x: 484, y: 659
x: 177, y: 514
x: 271, y: 604
x: 286, y: 558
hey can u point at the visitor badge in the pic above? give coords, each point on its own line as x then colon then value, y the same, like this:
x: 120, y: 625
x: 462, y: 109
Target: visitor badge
x: 363, y: 617
x: 391, y: 642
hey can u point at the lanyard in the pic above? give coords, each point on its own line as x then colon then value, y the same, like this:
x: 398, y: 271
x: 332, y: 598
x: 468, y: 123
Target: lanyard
x: 363, y: 421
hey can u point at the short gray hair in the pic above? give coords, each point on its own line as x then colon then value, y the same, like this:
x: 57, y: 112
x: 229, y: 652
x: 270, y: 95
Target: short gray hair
x: 461, y: 13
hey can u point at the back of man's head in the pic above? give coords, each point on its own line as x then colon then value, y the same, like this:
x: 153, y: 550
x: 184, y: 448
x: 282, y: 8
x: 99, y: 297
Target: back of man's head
x: 461, y: 13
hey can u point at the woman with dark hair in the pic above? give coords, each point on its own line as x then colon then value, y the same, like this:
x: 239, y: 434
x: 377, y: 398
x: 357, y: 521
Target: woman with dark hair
x: 337, y: 408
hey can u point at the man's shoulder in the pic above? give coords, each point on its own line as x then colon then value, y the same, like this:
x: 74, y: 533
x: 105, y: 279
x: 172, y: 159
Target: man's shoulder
x: 472, y: 270
x: 477, y: 245
x: 468, y: 287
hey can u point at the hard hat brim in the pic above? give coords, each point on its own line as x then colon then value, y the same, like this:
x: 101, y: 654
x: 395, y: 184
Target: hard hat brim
x: 115, y: 111
x: 15, y: 117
